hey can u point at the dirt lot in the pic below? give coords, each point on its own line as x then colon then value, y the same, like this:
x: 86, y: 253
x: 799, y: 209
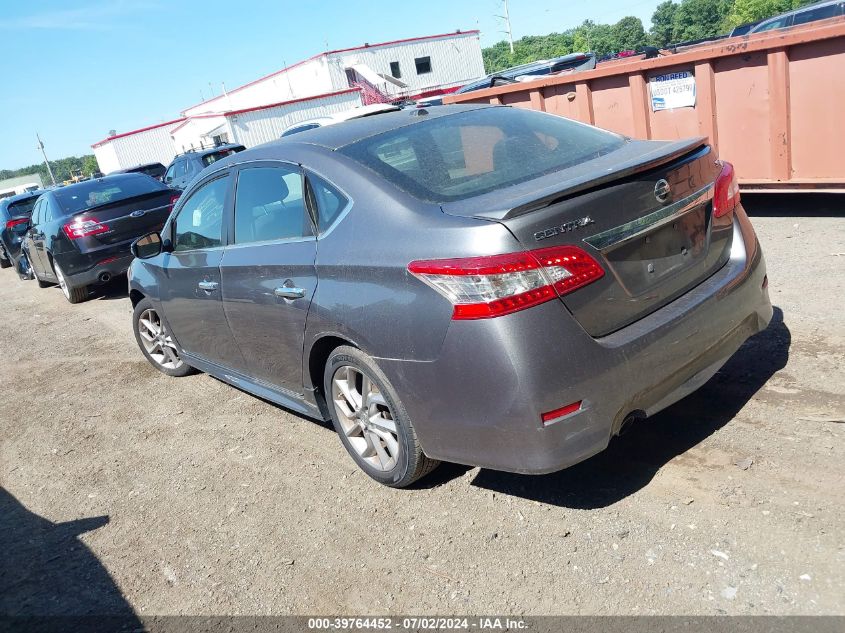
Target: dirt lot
x: 125, y: 490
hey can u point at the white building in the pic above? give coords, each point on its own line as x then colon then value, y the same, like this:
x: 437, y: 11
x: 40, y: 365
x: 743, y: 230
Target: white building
x: 327, y: 83
x: 151, y: 144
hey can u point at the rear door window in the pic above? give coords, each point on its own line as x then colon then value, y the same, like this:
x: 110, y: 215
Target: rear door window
x: 269, y: 205
x: 199, y: 224
x: 327, y: 199
x: 820, y: 13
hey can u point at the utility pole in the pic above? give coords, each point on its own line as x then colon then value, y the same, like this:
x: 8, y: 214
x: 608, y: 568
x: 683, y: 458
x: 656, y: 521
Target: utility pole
x: 507, y: 18
x: 44, y: 154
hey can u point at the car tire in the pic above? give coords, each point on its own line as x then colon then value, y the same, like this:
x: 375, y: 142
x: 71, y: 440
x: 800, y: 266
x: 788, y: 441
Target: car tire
x: 372, y: 423
x: 154, y: 341
x: 5, y: 260
x: 73, y: 294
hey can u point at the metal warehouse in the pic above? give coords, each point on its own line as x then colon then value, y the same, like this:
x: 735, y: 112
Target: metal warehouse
x: 327, y: 83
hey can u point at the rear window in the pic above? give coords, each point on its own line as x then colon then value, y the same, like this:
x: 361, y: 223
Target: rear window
x: 215, y: 156
x: 156, y: 171
x: 22, y: 208
x: 94, y: 193
x: 465, y: 155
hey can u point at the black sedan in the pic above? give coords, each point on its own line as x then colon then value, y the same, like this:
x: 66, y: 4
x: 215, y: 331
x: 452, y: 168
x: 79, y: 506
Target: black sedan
x: 80, y: 235
x: 15, y: 212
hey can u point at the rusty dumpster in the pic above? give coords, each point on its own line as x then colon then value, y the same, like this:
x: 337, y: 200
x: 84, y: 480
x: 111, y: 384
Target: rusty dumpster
x: 772, y: 103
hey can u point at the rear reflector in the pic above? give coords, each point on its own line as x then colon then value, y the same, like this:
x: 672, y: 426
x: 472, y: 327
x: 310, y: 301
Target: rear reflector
x: 16, y: 222
x: 486, y: 287
x: 726, y: 194
x: 83, y: 228
x: 551, y: 416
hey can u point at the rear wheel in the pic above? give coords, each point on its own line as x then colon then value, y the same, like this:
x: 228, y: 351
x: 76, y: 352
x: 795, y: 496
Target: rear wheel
x: 72, y: 294
x: 5, y: 260
x: 372, y: 423
x: 155, y: 341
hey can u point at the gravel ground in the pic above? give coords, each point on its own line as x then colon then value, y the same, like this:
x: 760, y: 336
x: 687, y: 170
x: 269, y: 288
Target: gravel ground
x: 127, y: 491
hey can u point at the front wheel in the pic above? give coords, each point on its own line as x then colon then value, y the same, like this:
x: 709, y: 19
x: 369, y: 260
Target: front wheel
x: 155, y: 341
x: 372, y: 423
x: 72, y: 294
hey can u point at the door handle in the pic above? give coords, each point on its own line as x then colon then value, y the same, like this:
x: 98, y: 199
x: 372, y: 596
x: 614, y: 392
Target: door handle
x: 208, y: 286
x: 289, y: 292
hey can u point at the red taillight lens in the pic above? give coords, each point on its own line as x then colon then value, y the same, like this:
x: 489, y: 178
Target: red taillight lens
x: 174, y: 199
x: 552, y: 416
x: 17, y: 222
x: 486, y: 287
x: 726, y: 194
x: 83, y: 228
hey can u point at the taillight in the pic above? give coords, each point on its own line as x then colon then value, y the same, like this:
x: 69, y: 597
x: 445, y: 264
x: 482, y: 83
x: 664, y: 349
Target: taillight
x: 174, y: 199
x: 554, y: 416
x: 486, y: 287
x: 726, y: 194
x: 17, y: 222
x: 83, y: 228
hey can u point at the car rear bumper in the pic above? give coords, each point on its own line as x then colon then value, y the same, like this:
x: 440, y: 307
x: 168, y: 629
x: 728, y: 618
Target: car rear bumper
x: 481, y: 401
x: 99, y: 267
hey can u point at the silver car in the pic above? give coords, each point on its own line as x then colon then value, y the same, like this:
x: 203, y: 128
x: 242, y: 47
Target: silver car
x: 475, y: 284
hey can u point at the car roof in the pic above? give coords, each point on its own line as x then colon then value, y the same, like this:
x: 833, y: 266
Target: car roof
x: 336, y: 136
x: 23, y: 196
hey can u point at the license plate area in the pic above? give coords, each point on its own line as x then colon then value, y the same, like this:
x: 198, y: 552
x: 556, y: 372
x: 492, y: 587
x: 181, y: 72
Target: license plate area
x: 655, y: 256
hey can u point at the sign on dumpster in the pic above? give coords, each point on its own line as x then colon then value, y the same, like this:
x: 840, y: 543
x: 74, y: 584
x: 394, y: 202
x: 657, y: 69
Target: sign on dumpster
x: 672, y: 90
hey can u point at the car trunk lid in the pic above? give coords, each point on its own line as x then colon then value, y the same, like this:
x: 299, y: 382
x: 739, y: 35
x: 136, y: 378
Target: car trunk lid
x: 120, y: 221
x: 644, y: 212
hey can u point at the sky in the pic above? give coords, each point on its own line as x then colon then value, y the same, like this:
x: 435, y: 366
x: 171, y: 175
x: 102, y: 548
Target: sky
x: 73, y: 71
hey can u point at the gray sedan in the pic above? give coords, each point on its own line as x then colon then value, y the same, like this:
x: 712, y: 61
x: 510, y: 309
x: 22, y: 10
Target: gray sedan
x: 483, y: 285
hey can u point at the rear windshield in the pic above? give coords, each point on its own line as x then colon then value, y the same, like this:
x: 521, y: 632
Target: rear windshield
x: 215, y: 156
x: 468, y: 154
x: 93, y: 193
x: 151, y: 170
x: 22, y: 208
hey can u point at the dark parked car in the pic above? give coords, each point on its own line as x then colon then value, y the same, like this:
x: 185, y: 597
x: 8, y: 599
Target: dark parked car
x: 154, y: 170
x: 186, y: 166
x: 809, y: 13
x: 574, y: 61
x: 14, y: 221
x: 80, y: 234
x: 484, y: 285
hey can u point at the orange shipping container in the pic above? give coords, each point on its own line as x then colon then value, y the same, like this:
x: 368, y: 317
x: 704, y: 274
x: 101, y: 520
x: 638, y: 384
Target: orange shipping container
x: 771, y: 103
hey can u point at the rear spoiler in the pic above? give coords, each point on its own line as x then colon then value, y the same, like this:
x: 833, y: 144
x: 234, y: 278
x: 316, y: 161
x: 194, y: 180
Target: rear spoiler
x: 634, y: 157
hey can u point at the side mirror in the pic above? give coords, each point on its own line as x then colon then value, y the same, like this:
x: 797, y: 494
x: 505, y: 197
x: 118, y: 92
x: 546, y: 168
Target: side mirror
x: 147, y: 246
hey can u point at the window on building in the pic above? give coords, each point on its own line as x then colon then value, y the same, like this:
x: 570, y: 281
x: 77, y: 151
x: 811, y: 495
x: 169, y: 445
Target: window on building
x: 423, y: 65
x: 395, y: 71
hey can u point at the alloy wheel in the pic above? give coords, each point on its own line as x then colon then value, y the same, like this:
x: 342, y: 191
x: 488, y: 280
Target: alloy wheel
x: 365, y: 417
x: 157, y: 342
x: 62, y: 282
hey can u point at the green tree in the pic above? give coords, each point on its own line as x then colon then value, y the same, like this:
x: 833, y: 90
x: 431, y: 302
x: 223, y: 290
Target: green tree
x: 90, y: 165
x: 628, y: 34
x: 663, y: 23
x: 745, y: 11
x: 698, y: 19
